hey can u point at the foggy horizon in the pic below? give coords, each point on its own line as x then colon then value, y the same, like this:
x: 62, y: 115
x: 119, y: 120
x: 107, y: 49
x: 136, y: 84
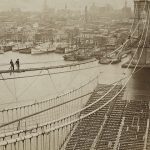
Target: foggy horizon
x: 59, y: 4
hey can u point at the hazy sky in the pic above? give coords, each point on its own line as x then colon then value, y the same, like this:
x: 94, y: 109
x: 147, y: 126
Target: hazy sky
x: 73, y: 4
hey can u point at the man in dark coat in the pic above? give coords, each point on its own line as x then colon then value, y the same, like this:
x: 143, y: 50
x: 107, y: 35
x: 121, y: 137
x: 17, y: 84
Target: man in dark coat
x: 18, y: 64
x: 11, y: 65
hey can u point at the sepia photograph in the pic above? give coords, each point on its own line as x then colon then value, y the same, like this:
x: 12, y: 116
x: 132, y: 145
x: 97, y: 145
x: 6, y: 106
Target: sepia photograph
x: 74, y: 74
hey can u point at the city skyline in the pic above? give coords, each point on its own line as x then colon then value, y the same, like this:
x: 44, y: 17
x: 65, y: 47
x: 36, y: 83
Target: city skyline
x: 36, y: 5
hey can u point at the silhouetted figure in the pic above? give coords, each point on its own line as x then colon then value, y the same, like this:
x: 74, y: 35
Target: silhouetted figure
x: 18, y: 64
x: 11, y: 65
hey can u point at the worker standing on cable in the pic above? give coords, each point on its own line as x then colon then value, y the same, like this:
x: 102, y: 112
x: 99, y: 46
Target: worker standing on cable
x: 18, y: 64
x: 11, y: 65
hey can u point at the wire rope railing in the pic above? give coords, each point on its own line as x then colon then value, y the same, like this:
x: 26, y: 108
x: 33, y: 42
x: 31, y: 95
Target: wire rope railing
x: 14, y: 113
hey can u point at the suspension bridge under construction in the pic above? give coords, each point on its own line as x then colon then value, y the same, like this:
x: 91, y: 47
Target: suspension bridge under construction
x: 94, y: 116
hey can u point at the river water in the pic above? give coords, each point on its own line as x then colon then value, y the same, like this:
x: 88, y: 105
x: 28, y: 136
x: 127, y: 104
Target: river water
x: 24, y: 90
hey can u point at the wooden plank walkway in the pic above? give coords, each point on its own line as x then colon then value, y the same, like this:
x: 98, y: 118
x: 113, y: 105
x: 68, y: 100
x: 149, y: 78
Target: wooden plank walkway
x: 47, y: 68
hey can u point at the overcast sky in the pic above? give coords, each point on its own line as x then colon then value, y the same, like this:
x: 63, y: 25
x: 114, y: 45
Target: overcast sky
x: 73, y: 4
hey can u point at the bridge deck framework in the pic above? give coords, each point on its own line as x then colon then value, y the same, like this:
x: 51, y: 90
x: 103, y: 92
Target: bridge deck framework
x: 123, y: 124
